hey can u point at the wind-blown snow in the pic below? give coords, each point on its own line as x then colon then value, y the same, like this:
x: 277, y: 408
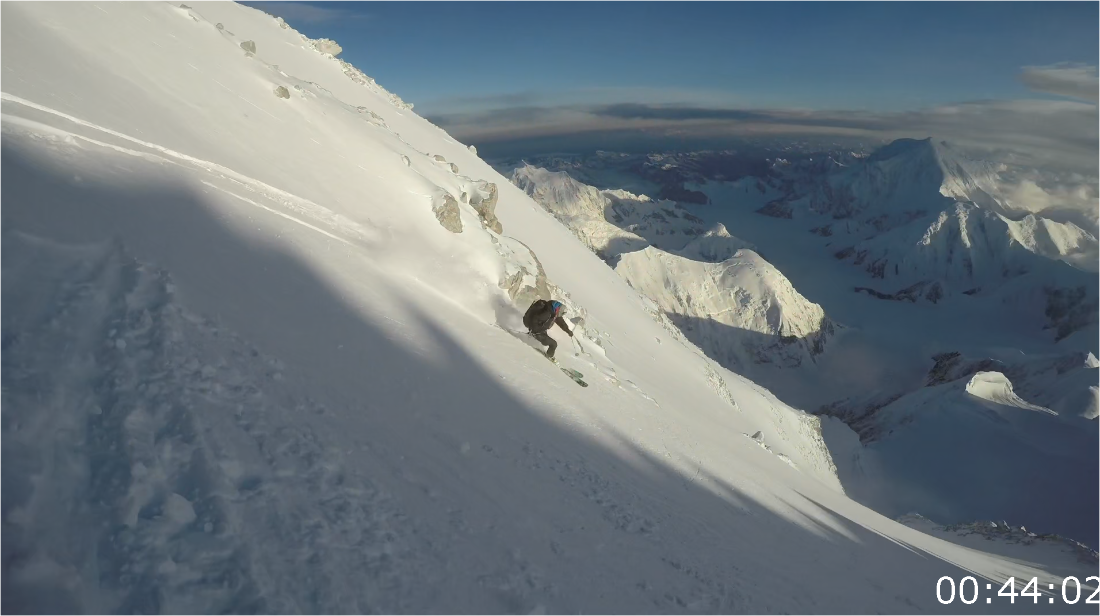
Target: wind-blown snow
x: 246, y: 369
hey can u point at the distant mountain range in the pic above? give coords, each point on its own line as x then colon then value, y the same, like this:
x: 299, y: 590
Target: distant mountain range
x: 916, y: 222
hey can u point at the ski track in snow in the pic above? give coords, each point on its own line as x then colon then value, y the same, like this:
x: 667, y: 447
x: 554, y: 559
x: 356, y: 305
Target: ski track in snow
x: 202, y: 498
x: 292, y: 202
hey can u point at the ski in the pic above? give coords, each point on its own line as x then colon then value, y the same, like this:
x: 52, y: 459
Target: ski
x: 577, y: 377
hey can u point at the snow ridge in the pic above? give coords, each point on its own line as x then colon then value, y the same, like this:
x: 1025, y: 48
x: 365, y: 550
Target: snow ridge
x: 203, y: 462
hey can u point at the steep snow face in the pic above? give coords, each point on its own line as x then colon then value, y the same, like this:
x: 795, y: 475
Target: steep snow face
x: 986, y: 274
x: 257, y: 359
x: 741, y: 311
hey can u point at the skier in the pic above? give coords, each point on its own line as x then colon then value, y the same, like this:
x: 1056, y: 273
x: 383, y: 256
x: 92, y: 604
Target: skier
x: 540, y: 317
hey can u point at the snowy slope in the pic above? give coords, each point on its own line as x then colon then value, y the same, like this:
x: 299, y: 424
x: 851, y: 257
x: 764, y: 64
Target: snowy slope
x: 250, y: 365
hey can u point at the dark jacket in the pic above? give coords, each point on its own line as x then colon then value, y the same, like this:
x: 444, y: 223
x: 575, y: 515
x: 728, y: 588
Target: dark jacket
x: 540, y: 317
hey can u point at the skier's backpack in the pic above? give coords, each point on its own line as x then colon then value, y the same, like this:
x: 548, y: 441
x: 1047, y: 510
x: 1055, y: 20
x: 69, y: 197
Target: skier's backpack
x: 536, y: 308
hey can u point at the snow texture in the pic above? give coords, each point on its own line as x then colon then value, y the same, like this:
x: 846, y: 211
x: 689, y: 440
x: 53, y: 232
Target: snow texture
x: 246, y: 370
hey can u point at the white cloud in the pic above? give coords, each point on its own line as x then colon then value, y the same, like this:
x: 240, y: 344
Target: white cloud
x: 1073, y: 80
x: 1060, y: 199
x: 1057, y: 135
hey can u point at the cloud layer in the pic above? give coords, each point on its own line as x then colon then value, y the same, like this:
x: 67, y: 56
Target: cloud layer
x: 1066, y: 79
x: 1061, y: 135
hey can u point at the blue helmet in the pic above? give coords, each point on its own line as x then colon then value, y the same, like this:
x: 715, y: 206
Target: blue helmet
x: 556, y: 306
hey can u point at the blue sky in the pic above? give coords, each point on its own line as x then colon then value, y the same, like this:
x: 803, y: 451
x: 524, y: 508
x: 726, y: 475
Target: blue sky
x: 875, y: 56
x: 991, y: 71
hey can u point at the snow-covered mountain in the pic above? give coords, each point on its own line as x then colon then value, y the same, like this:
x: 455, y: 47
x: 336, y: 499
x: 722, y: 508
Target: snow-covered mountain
x: 256, y: 357
x: 924, y: 222
x: 745, y: 314
x: 977, y: 276
x: 907, y: 176
x: 614, y: 222
x: 741, y: 311
x: 1038, y: 412
x: 920, y: 209
x: 896, y: 183
x: 1064, y: 385
x: 723, y: 296
x: 977, y: 252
